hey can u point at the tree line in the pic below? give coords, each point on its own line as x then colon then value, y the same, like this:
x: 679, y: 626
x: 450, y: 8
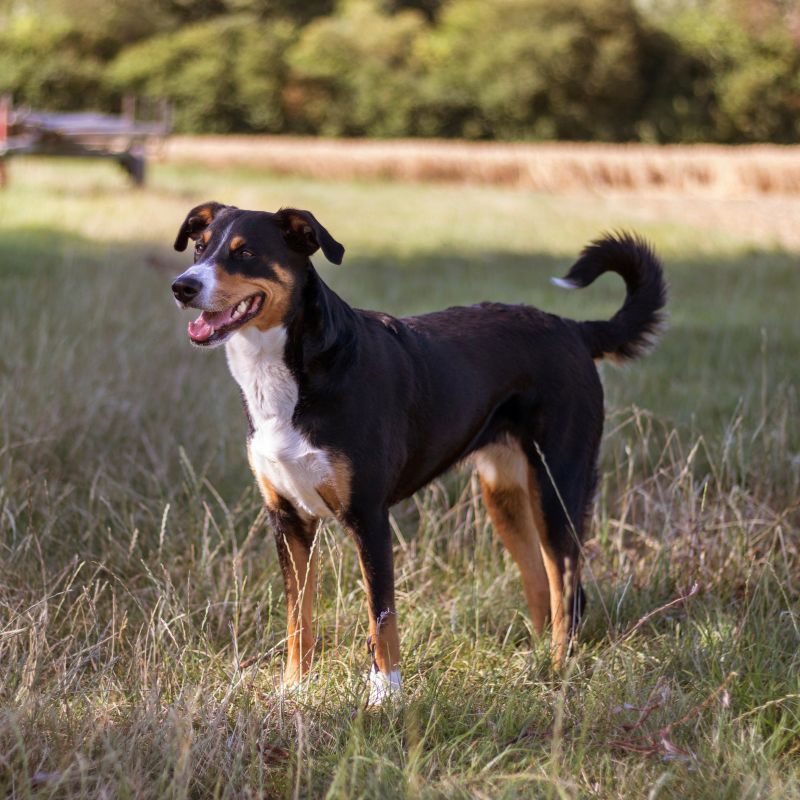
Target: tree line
x: 607, y: 70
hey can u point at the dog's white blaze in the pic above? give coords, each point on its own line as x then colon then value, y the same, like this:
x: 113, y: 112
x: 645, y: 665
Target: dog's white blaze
x: 204, y: 273
x: 278, y: 451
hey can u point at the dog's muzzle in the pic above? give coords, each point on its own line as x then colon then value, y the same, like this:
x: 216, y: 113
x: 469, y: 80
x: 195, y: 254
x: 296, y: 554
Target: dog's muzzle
x: 186, y: 289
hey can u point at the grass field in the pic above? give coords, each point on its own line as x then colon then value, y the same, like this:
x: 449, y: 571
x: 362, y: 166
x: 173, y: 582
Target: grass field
x: 141, y: 609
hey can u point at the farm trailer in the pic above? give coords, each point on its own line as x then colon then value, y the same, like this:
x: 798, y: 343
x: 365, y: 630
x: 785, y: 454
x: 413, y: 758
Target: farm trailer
x: 80, y: 134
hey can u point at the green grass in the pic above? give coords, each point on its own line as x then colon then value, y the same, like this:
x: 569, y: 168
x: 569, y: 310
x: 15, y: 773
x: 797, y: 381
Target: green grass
x: 137, y: 576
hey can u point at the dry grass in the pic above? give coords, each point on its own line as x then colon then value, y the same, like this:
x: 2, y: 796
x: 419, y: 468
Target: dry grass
x: 141, y: 609
x: 712, y: 170
x: 747, y: 191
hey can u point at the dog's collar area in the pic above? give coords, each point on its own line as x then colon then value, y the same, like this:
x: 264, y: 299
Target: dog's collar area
x: 211, y: 327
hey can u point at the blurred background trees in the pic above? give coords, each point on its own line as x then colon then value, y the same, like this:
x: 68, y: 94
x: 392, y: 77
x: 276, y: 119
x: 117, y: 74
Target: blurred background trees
x: 612, y: 70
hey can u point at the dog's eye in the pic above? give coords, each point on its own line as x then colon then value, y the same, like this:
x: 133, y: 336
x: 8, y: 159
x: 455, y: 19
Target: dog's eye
x: 247, y: 254
x: 199, y: 247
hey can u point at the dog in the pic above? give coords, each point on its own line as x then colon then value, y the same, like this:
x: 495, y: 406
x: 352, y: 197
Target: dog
x: 351, y: 411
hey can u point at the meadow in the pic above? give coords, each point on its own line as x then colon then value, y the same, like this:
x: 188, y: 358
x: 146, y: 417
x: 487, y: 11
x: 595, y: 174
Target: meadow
x: 141, y: 608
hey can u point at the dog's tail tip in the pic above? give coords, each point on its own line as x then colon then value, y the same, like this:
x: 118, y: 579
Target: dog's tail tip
x: 565, y: 283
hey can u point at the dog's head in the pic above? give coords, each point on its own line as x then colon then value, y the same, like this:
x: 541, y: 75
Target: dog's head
x: 248, y: 267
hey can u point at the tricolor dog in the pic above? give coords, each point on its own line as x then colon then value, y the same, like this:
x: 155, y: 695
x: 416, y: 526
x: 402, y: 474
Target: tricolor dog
x: 351, y: 411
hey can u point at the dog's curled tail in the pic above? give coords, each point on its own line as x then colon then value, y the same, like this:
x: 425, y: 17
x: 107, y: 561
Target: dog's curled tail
x: 634, y: 328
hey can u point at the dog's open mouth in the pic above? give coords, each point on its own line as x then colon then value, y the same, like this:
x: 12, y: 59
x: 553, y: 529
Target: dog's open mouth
x: 212, y: 326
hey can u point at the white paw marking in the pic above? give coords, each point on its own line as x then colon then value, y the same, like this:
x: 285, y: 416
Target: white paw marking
x: 383, y: 688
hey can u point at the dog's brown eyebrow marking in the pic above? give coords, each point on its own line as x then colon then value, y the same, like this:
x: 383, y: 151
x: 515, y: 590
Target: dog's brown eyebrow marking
x: 237, y: 242
x: 205, y: 236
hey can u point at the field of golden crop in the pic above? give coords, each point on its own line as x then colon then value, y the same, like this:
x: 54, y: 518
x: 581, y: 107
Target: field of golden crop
x: 749, y: 191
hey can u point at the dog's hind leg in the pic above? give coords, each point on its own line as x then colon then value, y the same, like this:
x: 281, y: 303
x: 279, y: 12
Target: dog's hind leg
x: 560, y: 512
x: 503, y: 471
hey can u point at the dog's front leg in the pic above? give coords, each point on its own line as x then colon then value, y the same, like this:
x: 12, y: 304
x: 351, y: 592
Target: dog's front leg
x: 373, y: 537
x: 298, y: 557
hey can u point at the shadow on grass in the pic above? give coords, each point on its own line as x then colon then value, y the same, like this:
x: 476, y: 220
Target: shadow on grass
x: 104, y: 309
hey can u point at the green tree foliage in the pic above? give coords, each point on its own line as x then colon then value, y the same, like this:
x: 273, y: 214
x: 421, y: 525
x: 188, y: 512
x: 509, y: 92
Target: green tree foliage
x: 614, y: 70
x: 51, y: 65
x: 747, y: 64
x: 521, y: 69
x: 223, y: 75
x: 355, y: 73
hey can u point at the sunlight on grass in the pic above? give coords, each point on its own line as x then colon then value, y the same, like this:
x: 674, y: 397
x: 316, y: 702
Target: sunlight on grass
x: 141, y: 609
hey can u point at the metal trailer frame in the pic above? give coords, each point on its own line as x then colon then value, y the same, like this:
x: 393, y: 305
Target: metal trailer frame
x: 122, y: 139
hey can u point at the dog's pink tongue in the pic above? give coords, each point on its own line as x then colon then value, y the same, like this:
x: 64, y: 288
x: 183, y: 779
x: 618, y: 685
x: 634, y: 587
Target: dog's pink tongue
x: 202, y: 328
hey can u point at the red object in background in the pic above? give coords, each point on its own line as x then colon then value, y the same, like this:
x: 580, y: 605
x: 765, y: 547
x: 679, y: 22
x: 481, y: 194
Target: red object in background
x: 5, y: 113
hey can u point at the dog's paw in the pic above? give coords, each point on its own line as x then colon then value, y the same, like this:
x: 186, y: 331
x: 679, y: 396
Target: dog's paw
x: 296, y: 690
x: 383, y: 688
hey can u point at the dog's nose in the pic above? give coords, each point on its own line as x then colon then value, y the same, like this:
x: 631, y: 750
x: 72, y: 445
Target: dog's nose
x: 186, y: 289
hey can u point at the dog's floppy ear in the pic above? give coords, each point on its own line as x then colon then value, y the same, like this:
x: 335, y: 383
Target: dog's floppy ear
x: 197, y: 220
x: 305, y: 235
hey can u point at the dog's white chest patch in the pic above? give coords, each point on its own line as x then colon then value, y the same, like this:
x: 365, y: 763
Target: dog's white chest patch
x: 278, y: 451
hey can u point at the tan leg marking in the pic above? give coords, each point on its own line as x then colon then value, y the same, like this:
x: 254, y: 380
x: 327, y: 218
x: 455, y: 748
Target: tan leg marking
x: 300, y: 605
x: 503, y: 476
x: 384, y: 637
x: 300, y: 575
x: 271, y: 497
x: 555, y: 577
x: 335, y: 492
x: 572, y: 579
